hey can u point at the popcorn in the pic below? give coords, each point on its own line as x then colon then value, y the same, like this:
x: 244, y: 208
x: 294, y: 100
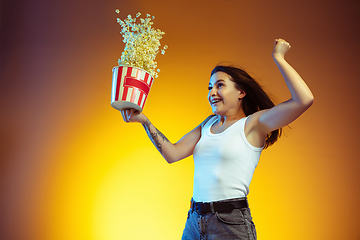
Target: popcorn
x: 142, y: 43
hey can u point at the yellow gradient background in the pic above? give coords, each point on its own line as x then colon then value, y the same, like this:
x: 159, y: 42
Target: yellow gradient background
x: 71, y: 169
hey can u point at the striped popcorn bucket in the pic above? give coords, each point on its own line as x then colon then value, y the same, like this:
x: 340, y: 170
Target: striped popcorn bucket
x: 130, y: 87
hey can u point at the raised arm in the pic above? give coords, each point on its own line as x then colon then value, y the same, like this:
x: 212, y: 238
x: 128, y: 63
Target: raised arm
x: 171, y: 152
x: 301, y: 96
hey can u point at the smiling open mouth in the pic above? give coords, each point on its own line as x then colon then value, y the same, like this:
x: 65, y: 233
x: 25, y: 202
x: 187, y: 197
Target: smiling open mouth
x: 215, y: 101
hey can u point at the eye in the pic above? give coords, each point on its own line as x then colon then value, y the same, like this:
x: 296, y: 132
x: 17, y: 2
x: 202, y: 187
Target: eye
x: 220, y: 85
x: 209, y: 88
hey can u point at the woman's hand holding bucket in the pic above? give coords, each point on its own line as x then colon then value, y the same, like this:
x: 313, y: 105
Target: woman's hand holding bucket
x: 132, y: 115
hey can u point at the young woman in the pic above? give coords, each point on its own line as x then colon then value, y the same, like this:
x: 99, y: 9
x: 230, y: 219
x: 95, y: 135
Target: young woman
x: 227, y: 145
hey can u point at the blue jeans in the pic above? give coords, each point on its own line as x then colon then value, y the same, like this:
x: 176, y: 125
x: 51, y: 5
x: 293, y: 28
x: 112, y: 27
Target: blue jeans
x: 237, y: 225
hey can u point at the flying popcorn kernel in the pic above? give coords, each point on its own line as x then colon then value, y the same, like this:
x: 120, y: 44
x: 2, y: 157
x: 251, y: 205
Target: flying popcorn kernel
x: 142, y: 43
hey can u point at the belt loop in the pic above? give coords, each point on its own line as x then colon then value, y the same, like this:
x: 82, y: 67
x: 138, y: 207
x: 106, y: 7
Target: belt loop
x: 212, y: 207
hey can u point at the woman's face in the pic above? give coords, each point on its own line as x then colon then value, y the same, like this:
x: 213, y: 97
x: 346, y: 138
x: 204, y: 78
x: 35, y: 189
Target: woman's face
x: 224, y: 97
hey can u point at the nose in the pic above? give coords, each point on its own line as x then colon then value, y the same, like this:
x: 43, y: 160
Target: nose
x: 212, y: 92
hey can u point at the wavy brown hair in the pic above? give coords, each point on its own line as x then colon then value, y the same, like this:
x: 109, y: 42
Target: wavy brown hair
x: 256, y: 98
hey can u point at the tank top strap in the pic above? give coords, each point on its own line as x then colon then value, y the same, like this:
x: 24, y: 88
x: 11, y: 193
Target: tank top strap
x: 208, y: 124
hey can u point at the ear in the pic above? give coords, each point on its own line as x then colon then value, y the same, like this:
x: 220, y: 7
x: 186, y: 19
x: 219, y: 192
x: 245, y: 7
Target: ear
x: 242, y: 94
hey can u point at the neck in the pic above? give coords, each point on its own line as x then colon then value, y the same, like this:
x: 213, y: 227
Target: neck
x: 231, y: 117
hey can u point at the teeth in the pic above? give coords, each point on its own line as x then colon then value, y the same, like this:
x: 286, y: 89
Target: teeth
x: 215, y: 101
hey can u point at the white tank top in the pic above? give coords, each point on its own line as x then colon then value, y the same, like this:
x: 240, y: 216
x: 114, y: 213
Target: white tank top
x: 224, y: 163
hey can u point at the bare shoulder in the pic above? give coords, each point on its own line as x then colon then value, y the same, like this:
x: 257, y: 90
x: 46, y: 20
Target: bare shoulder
x: 206, y: 120
x: 197, y: 131
x: 253, y: 129
x: 253, y: 120
x: 192, y: 137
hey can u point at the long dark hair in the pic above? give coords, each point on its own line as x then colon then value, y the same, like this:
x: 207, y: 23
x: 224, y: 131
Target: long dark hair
x: 256, y: 98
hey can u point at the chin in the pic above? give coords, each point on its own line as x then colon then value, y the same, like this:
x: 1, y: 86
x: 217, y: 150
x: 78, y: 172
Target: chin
x: 216, y: 112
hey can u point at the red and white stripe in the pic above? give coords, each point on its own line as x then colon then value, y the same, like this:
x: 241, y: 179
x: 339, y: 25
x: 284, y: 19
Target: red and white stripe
x: 131, y: 84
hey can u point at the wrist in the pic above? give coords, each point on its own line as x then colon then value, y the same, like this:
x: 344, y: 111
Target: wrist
x: 278, y: 56
x: 145, y: 121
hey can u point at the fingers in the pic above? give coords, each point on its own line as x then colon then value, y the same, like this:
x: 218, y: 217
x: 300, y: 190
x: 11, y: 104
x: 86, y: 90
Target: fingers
x: 127, y: 114
x: 279, y: 40
x: 282, y: 41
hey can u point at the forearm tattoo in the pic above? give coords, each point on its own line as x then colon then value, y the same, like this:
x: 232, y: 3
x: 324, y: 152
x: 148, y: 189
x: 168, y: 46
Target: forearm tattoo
x: 154, y: 136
